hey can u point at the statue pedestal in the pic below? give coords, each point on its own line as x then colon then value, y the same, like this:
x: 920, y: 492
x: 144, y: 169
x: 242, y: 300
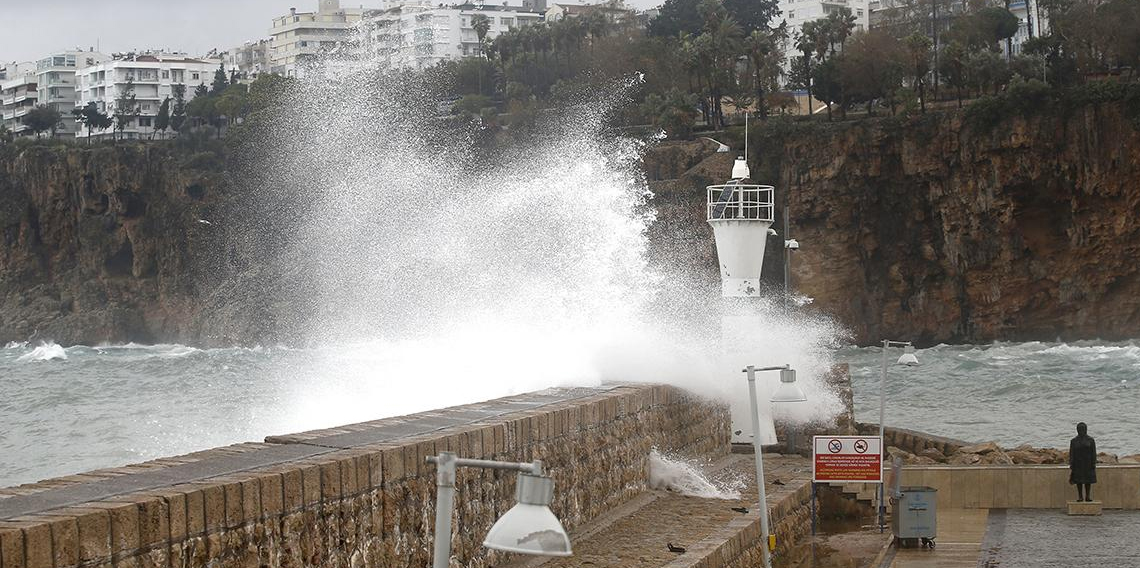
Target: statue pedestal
x: 1085, y: 507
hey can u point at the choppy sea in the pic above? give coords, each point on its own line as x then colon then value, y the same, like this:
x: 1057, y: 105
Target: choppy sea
x: 67, y: 410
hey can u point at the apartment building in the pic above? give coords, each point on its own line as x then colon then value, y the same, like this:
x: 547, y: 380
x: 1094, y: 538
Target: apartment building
x: 18, y: 95
x: 56, y: 83
x: 153, y: 73
x: 300, y: 37
x: 249, y: 60
x: 417, y: 36
x: 797, y: 12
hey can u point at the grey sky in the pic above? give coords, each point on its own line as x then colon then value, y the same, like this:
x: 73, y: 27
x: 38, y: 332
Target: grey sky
x: 30, y: 29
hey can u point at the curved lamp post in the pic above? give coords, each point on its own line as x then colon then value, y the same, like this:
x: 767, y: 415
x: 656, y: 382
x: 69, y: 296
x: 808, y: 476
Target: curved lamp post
x: 528, y: 528
x: 788, y: 391
x: 907, y: 358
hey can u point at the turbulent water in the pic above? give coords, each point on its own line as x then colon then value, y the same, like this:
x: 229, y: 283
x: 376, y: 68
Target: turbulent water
x: 82, y: 408
x: 1012, y: 393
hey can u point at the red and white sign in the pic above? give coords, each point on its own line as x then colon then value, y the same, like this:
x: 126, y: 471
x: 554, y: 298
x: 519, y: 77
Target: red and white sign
x: 847, y: 459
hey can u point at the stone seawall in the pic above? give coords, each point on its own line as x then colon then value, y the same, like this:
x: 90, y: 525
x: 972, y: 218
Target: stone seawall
x: 360, y: 495
x: 913, y: 441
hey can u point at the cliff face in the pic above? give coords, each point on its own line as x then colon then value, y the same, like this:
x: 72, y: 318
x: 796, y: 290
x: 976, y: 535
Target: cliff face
x: 937, y: 231
x: 100, y: 244
x: 929, y: 230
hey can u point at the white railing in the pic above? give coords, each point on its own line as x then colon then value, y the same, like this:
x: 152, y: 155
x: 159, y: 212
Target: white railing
x: 738, y: 201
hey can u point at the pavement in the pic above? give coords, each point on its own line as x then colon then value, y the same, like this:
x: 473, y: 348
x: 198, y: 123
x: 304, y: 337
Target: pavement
x: 1043, y: 538
x: 1025, y: 538
x: 638, y: 533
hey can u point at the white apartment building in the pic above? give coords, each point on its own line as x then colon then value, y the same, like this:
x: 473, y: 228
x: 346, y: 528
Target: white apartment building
x: 249, y: 60
x: 18, y: 95
x: 56, y: 83
x: 1028, y: 14
x: 154, y: 75
x: 302, y: 36
x: 797, y: 12
x: 418, y: 36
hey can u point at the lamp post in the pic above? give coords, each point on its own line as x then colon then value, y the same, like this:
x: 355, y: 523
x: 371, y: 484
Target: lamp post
x: 528, y: 528
x: 907, y: 358
x: 787, y: 392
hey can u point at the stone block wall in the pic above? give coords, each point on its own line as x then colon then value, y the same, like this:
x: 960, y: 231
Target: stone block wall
x: 371, y: 505
x: 913, y: 441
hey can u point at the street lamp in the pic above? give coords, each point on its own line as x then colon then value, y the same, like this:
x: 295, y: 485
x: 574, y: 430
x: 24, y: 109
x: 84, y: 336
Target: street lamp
x: 907, y: 358
x: 787, y: 392
x: 528, y: 528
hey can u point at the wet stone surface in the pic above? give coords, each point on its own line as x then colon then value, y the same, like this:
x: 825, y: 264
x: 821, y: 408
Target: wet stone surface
x: 1052, y: 539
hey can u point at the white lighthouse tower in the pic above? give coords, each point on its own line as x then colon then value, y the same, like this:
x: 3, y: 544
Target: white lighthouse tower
x: 741, y: 214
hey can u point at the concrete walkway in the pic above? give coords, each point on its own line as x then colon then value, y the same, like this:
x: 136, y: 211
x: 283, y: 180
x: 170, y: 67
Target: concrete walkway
x: 959, y: 541
x: 638, y: 534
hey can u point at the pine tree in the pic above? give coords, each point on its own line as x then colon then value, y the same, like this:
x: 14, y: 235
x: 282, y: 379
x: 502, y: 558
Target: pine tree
x: 126, y: 106
x: 220, y: 81
x: 162, y: 120
x: 178, y: 110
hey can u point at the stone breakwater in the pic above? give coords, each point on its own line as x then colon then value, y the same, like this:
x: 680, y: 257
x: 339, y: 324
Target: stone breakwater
x: 919, y: 448
x: 360, y: 495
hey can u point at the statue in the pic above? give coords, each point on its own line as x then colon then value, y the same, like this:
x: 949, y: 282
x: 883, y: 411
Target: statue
x: 1082, y: 462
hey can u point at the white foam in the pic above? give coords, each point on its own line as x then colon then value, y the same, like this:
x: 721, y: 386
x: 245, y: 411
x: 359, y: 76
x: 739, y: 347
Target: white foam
x: 686, y: 477
x: 44, y: 352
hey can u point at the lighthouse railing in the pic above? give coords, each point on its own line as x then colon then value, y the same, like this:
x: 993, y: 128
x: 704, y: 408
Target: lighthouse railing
x: 738, y: 201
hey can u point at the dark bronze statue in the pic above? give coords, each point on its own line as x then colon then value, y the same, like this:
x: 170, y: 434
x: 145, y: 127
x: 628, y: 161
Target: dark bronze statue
x: 1082, y: 462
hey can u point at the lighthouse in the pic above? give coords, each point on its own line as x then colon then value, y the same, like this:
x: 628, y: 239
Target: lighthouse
x: 740, y: 212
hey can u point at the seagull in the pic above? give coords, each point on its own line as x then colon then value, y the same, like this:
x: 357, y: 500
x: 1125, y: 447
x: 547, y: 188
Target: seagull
x: 204, y: 222
x: 677, y: 549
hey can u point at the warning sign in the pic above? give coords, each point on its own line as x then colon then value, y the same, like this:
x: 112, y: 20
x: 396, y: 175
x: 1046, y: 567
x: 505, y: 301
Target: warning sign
x: 847, y: 459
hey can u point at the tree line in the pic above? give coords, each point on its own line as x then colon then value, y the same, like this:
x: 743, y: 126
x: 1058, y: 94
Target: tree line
x: 703, y: 60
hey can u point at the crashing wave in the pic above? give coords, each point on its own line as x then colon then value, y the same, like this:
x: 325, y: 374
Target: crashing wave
x: 44, y: 352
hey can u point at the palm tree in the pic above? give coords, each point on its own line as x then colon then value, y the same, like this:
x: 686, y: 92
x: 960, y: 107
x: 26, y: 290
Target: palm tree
x: 766, y: 57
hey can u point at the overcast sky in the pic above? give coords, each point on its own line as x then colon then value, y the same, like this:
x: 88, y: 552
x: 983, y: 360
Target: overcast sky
x: 30, y: 29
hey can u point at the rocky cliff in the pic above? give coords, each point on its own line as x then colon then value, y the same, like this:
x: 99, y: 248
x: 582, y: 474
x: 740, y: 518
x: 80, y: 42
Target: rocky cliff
x: 127, y: 243
x: 939, y: 230
x: 932, y: 230
x: 99, y: 244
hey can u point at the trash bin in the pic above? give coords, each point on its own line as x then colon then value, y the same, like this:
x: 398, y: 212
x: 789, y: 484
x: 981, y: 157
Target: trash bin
x: 914, y: 516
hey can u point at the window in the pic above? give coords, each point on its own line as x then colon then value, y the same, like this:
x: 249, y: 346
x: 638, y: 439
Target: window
x: 859, y: 12
x: 144, y: 121
x: 165, y: 74
x: 194, y: 76
x: 791, y: 16
x: 508, y: 22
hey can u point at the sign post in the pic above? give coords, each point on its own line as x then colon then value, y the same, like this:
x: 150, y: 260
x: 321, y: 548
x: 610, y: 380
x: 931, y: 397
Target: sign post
x: 847, y: 459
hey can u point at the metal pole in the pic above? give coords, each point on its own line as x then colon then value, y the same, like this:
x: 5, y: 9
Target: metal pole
x: 446, y: 464
x: 787, y: 254
x: 882, y: 418
x: 813, y: 508
x: 760, y: 484
x: 444, y: 502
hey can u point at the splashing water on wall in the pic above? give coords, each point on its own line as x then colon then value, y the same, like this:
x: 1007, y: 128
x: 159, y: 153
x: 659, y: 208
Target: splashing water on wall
x: 687, y: 477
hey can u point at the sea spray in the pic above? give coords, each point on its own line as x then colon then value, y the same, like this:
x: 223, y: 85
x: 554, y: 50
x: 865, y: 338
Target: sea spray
x: 44, y: 352
x: 687, y: 477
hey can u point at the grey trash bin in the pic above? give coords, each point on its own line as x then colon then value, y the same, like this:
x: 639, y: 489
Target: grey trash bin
x: 914, y: 516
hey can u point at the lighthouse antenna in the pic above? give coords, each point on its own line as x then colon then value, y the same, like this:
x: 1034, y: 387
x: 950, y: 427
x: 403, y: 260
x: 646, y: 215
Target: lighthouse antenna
x: 746, y: 137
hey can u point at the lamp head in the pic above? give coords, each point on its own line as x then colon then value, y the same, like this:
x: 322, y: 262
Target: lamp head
x: 530, y: 527
x: 788, y: 391
x: 908, y: 358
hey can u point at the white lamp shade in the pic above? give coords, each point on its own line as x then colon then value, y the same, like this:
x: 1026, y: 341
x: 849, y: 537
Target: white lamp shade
x: 530, y: 527
x: 908, y: 358
x: 788, y: 391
